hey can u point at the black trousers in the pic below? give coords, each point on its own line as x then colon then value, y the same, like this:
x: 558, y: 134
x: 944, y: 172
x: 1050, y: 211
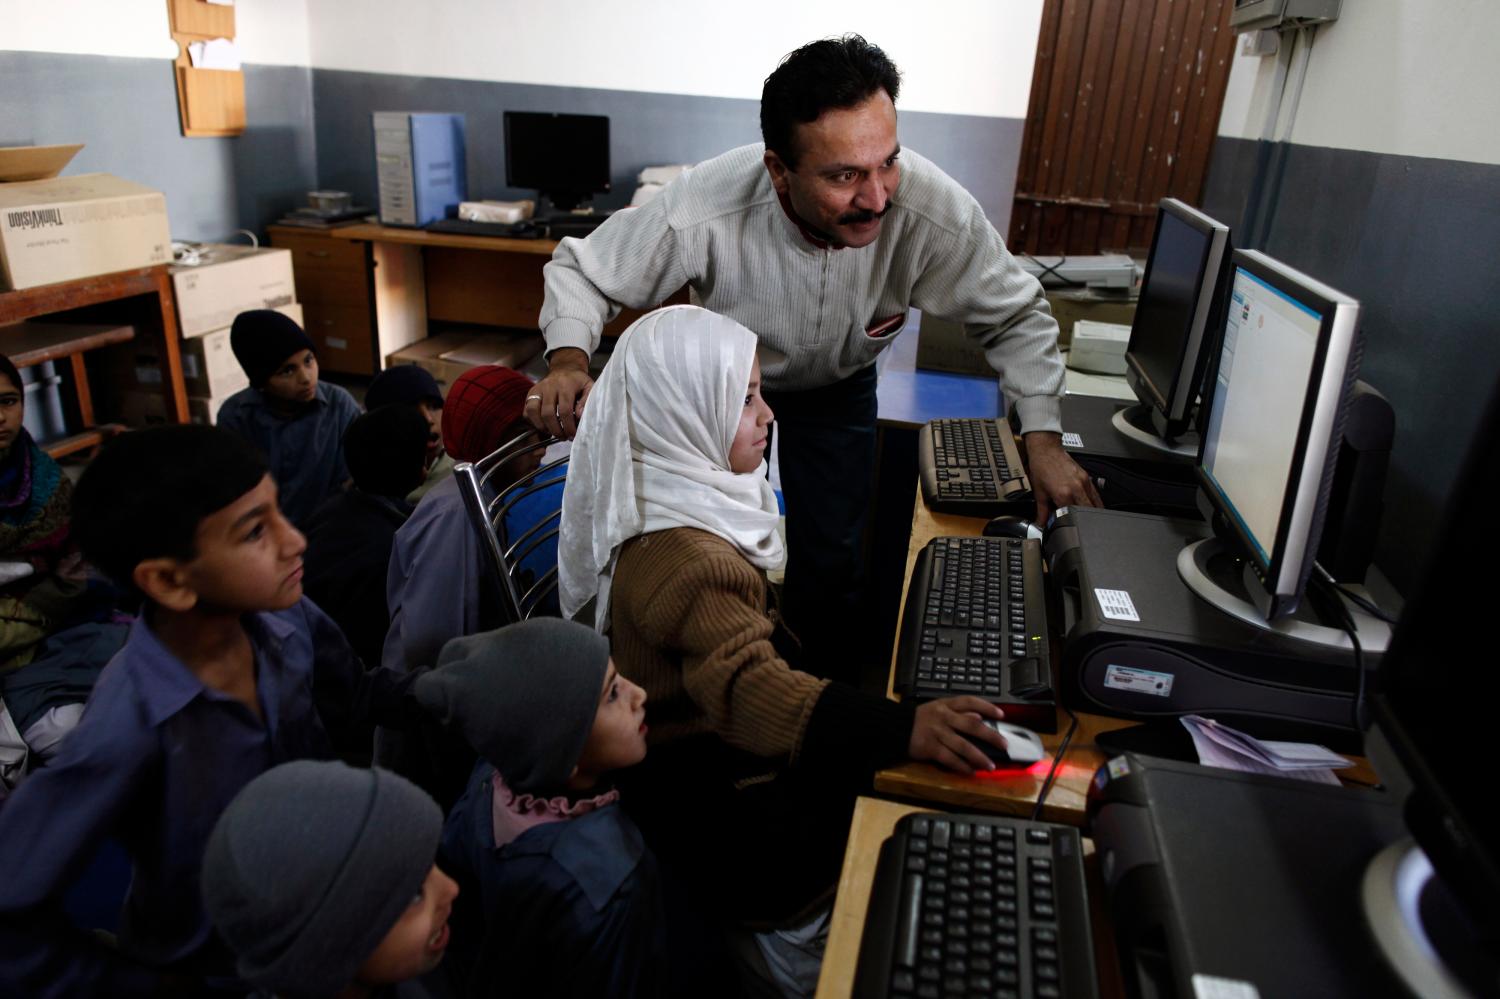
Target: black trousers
x: 826, y: 446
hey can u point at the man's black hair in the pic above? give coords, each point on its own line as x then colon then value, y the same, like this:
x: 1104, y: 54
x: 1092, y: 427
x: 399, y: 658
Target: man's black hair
x: 386, y: 448
x: 833, y: 73
x: 146, y: 493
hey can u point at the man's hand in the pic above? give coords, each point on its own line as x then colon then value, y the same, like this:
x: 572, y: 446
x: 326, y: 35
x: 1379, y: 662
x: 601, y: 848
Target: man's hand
x: 937, y: 735
x: 1056, y: 479
x: 556, y: 402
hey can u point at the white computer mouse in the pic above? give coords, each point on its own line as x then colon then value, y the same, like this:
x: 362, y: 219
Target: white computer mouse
x: 1023, y: 747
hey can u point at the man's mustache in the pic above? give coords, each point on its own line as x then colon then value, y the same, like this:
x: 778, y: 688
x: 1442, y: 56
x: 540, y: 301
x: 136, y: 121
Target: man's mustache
x: 864, y: 215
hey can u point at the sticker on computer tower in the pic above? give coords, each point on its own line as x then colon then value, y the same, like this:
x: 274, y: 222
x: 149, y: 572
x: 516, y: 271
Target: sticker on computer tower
x: 1214, y: 987
x: 1141, y: 681
x: 1116, y: 605
x: 1072, y: 440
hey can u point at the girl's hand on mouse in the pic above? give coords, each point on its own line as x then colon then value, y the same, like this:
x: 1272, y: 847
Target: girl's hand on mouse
x: 938, y: 733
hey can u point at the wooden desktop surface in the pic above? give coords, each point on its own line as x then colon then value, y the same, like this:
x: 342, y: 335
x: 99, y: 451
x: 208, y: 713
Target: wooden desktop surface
x: 377, y: 233
x: 873, y: 822
x: 1014, y: 792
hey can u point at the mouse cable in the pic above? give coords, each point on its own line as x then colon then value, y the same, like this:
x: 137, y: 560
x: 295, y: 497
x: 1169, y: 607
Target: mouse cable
x: 1062, y: 750
x: 1366, y: 605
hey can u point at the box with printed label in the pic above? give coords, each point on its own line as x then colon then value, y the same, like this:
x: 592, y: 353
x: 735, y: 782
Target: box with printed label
x: 64, y: 228
x: 228, y: 281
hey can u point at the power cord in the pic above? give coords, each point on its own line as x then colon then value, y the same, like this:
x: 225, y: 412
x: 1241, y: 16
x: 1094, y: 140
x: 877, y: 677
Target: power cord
x: 1062, y: 750
x: 1358, y: 715
x: 1365, y: 605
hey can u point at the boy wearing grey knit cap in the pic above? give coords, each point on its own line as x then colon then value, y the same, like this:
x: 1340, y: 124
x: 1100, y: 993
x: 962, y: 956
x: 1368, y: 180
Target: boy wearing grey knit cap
x: 320, y: 877
x: 562, y: 897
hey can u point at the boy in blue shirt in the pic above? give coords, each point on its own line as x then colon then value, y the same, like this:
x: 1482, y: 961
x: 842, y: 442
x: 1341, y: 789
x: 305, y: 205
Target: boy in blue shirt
x: 297, y: 420
x: 227, y: 672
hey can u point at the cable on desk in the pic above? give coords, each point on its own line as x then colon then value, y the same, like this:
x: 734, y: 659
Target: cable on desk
x: 1052, y: 271
x: 1358, y: 715
x: 1366, y: 605
x: 1062, y: 750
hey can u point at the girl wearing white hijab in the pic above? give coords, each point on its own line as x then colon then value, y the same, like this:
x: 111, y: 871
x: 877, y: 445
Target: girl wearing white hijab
x: 668, y: 526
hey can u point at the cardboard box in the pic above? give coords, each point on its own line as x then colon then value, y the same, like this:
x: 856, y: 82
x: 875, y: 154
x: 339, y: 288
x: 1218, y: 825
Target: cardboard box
x: 64, y: 228
x: 445, y: 356
x: 231, y: 280
x: 209, y: 367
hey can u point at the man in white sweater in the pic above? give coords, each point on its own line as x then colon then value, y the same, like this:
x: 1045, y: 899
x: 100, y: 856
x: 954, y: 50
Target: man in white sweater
x: 819, y: 241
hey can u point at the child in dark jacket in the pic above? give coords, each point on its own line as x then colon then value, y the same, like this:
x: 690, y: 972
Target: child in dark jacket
x: 297, y: 420
x: 227, y: 672
x: 320, y: 878
x: 563, y: 895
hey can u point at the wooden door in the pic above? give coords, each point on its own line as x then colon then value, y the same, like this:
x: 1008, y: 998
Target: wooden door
x: 1125, y: 102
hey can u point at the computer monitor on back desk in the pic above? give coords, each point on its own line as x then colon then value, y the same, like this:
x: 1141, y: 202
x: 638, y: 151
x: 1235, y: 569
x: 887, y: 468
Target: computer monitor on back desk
x: 564, y: 157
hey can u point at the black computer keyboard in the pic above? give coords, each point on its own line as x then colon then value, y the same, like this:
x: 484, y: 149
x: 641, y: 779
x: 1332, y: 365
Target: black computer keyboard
x: 507, y: 230
x: 972, y: 467
x: 976, y: 623
x: 978, y: 905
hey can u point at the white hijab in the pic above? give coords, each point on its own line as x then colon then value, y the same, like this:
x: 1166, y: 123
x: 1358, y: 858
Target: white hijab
x: 652, y: 452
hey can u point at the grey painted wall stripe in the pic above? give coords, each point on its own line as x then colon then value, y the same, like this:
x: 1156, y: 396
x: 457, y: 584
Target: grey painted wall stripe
x: 1414, y: 240
x: 645, y: 129
x: 125, y: 113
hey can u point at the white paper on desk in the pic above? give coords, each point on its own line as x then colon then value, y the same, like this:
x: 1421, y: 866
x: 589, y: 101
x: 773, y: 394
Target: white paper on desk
x: 1221, y: 746
x: 217, y: 53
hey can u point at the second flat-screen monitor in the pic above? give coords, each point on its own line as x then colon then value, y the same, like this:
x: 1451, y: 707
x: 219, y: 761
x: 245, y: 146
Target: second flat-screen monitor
x: 1172, y: 333
x: 564, y: 157
x: 1286, y: 361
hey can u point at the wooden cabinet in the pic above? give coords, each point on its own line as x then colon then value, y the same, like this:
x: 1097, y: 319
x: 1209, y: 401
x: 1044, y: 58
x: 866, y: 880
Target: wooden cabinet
x: 360, y: 301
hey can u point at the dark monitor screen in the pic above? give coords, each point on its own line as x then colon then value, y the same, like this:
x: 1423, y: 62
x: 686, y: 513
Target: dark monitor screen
x: 1175, y: 310
x: 563, y: 156
x: 1286, y: 360
x: 1435, y: 694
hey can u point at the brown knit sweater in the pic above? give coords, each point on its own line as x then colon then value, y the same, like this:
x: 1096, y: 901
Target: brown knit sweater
x: 689, y: 624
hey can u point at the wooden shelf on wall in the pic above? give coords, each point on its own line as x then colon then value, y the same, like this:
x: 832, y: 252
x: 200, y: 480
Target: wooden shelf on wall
x: 210, y: 102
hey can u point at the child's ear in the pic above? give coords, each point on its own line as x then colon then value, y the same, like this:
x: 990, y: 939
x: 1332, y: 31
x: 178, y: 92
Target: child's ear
x: 165, y: 582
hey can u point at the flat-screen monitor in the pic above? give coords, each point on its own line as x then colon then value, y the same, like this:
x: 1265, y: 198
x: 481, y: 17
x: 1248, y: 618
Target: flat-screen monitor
x: 564, y: 157
x: 1433, y: 703
x: 1173, y: 333
x: 1287, y: 359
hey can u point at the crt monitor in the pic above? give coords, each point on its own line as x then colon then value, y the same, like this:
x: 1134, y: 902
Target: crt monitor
x: 564, y: 157
x: 1433, y: 703
x: 1174, y: 329
x: 1286, y: 363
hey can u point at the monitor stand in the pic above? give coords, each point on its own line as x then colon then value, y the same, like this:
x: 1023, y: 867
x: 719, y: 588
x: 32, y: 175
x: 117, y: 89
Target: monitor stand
x: 1135, y: 423
x: 1224, y: 579
x: 1421, y: 931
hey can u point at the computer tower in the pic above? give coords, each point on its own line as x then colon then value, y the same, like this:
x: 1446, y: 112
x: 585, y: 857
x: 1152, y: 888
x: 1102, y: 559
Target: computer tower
x: 419, y: 164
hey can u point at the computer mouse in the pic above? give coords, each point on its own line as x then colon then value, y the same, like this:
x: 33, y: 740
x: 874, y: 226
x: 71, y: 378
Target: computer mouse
x: 1012, y: 527
x: 1023, y: 747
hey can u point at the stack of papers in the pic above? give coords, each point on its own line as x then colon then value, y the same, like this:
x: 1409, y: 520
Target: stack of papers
x: 1221, y: 746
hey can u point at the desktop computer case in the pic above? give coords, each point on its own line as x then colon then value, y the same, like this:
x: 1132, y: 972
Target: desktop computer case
x: 419, y: 165
x: 1220, y: 883
x: 1181, y: 655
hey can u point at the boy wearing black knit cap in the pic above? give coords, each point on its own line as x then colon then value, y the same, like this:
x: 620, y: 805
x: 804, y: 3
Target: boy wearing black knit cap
x: 320, y: 878
x: 297, y: 420
x: 563, y: 896
x: 228, y: 671
x: 410, y: 385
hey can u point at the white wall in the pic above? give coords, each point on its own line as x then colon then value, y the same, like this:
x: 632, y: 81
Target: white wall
x: 956, y: 56
x: 268, y: 31
x: 1405, y: 77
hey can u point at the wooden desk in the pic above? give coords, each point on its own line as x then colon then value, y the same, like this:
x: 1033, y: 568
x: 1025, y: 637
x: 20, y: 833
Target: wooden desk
x: 373, y: 289
x: 1013, y: 792
x: 142, y: 297
x: 873, y: 822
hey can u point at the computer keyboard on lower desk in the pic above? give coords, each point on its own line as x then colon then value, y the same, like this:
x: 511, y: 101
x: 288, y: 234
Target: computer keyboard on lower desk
x: 503, y: 230
x: 978, y: 905
x: 972, y: 467
x: 976, y: 623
